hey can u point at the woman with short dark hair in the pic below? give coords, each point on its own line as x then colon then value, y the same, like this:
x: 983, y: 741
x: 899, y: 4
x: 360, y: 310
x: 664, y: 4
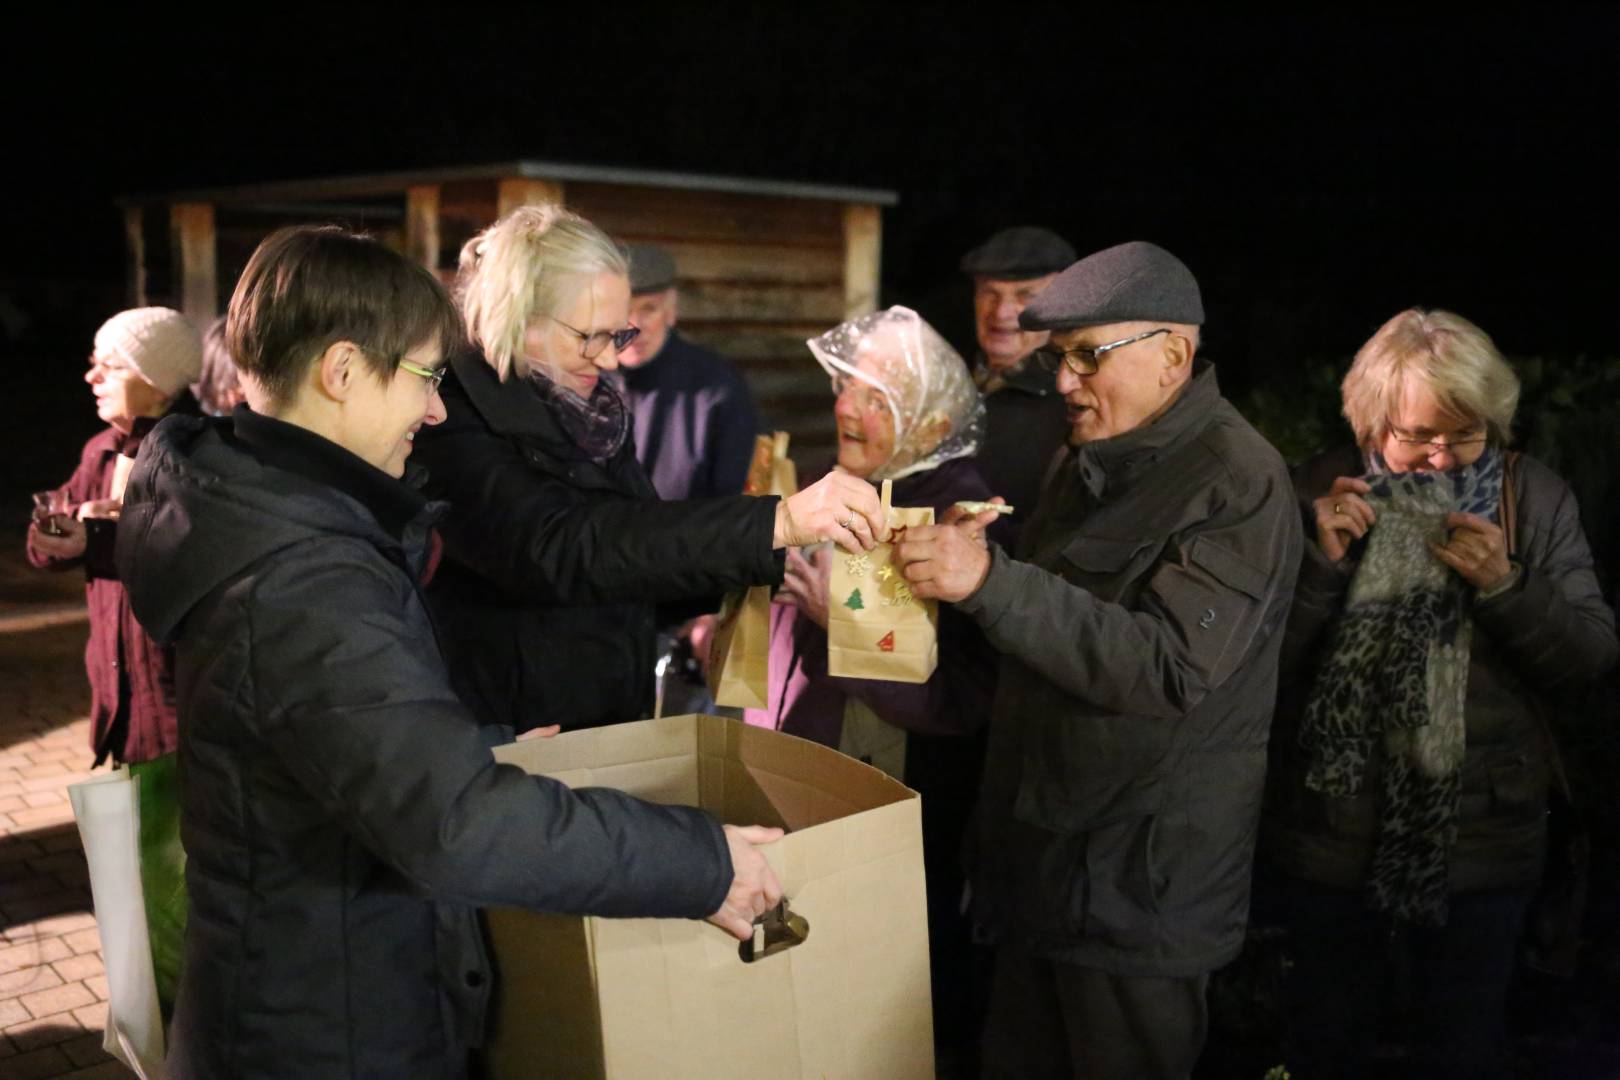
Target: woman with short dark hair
x: 342, y: 814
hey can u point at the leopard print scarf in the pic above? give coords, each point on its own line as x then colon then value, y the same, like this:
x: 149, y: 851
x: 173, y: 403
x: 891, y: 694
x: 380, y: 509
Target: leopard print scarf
x: 1394, y: 681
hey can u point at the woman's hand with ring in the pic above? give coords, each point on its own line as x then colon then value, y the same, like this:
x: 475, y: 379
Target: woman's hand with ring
x: 1343, y: 516
x: 838, y: 507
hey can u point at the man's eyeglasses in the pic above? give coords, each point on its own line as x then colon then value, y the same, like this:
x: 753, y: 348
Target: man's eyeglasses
x: 434, y: 376
x: 591, y: 345
x: 1471, y: 436
x: 1084, y: 361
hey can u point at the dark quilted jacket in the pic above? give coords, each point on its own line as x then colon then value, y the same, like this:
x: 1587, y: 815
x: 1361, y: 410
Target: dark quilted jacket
x: 341, y: 813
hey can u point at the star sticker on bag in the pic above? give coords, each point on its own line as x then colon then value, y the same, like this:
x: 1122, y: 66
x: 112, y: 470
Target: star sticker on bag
x: 857, y: 565
x: 885, y: 572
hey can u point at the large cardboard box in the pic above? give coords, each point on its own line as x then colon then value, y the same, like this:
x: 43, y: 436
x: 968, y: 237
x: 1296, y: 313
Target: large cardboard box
x: 673, y: 998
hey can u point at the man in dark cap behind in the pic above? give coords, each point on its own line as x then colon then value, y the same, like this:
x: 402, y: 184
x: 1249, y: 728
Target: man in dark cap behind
x: 694, y: 426
x: 1024, y: 416
x: 1140, y: 634
x: 694, y: 418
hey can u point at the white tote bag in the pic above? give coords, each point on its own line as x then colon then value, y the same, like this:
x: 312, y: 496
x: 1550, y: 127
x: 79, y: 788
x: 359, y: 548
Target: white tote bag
x: 108, y: 811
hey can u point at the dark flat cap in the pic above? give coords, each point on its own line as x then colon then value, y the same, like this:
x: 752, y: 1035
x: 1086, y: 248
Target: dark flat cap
x: 651, y: 268
x: 1018, y: 254
x: 1134, y: 282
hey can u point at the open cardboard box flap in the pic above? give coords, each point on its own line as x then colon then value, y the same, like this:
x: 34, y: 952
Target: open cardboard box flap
x: 672, y: 997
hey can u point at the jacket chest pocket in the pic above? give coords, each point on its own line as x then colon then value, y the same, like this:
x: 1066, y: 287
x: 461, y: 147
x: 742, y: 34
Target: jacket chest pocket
x: 1112, y: 570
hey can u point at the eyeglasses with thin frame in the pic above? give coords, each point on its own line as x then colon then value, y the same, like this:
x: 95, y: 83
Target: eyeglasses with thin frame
x: 434, y: 376
x: 1084, y: 361
x: 591, y: 345
x: 1457, y: 440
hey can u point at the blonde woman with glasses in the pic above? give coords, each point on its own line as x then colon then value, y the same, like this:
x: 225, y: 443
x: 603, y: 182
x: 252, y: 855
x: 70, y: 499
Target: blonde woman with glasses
x: 557, y: 548
x: 1447, y: 602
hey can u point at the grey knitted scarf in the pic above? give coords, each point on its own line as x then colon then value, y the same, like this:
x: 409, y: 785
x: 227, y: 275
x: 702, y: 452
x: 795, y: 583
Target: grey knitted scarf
x: 1394, y: 680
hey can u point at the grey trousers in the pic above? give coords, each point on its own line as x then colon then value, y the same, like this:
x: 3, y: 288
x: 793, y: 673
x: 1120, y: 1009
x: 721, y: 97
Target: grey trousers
x: 1050, y: 1019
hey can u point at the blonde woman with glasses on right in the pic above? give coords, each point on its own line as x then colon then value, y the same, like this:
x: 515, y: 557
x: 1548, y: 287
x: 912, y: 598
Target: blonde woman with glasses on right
x: 1447, y: 601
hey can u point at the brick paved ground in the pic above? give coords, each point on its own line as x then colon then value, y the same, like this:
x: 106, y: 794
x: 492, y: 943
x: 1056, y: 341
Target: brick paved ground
x: 53, y: 992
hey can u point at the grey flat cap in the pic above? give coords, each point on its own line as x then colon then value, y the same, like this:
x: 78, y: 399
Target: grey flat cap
x: 1134, y: 282
x: 1018, y: 254
x: 651, y: 268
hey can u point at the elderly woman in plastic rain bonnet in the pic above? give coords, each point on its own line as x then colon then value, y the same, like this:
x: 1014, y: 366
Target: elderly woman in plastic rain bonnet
x: 906, y: 403
x: 907, y: 411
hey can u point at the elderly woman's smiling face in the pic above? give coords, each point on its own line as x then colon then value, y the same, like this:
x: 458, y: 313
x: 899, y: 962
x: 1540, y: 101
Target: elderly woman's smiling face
x: 865, y: 419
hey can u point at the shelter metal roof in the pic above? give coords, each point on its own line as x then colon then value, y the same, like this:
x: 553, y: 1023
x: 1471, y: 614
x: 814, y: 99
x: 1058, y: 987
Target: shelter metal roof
x: 391, y: 183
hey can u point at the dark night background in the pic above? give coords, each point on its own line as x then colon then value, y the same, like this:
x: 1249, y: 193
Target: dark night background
x: 1318, y: 173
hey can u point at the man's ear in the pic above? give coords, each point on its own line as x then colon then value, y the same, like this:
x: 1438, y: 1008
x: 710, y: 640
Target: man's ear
x: 338, y: 369
x: 674, y: 306
x: 1178, y: 356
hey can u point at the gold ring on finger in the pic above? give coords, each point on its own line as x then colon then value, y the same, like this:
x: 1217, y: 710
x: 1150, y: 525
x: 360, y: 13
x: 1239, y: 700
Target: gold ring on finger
x: 1336, y: 508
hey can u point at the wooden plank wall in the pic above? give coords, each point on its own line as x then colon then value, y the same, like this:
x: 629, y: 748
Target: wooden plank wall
x: 757, y: 277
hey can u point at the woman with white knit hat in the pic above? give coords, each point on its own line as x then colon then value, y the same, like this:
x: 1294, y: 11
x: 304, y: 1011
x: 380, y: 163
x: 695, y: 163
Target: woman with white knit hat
x: 143, y: 361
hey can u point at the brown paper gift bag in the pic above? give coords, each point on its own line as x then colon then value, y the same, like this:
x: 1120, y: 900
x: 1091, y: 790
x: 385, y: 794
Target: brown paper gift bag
x: 875, y: 628
x: 739, y: 672
x: 771, y: 472
x: 739, y: 655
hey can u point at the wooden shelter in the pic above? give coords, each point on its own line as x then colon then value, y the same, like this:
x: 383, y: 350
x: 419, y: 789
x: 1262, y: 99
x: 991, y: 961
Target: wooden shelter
x: 762, y: 264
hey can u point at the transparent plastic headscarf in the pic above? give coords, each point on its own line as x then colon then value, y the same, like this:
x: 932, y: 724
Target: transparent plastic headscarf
x: 937, y: 412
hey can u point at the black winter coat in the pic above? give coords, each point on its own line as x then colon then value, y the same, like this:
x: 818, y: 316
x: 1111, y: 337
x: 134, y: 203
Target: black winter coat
x: 1025, y: 423
x: 341, y: 811
x: 555, y: 562
x: 1549, y: 634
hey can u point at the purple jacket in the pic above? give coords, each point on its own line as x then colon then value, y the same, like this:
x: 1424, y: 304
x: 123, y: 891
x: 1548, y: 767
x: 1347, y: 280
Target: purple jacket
x: 694, y: 421
x: 129, y: 673
x: 806, y: 701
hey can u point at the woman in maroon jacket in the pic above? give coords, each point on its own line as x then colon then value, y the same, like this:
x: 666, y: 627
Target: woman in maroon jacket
x: 142, y: 362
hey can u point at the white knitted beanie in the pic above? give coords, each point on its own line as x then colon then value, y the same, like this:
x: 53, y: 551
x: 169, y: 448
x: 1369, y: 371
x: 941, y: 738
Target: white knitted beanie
x: 157, y: 342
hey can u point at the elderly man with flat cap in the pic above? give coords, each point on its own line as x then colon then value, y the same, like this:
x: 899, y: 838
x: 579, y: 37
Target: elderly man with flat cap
x: 693, y: 416
x: 1025, y: 419
x: 1139, y: 634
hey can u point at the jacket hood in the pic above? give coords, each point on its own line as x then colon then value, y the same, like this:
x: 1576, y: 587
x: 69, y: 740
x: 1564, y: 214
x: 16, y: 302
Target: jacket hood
x: 199, y: 508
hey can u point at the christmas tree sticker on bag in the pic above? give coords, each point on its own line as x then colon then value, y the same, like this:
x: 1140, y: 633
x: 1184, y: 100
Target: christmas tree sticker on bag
x: 876, y: 629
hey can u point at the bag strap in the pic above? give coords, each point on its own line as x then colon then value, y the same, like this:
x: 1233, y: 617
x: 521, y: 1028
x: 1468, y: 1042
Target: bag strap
x: 1510, y: 501
x: 1510, y: 532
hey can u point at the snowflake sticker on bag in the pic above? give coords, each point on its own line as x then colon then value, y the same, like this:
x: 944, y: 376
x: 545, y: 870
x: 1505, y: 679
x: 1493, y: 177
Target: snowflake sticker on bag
x: 857, y: 565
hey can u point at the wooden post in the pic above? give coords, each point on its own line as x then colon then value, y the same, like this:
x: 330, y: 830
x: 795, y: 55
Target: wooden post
x: 422, y: 224
x: 520, y: 191
x: 192, y: 225
x: 863, y: 259
x: 135, y: 256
